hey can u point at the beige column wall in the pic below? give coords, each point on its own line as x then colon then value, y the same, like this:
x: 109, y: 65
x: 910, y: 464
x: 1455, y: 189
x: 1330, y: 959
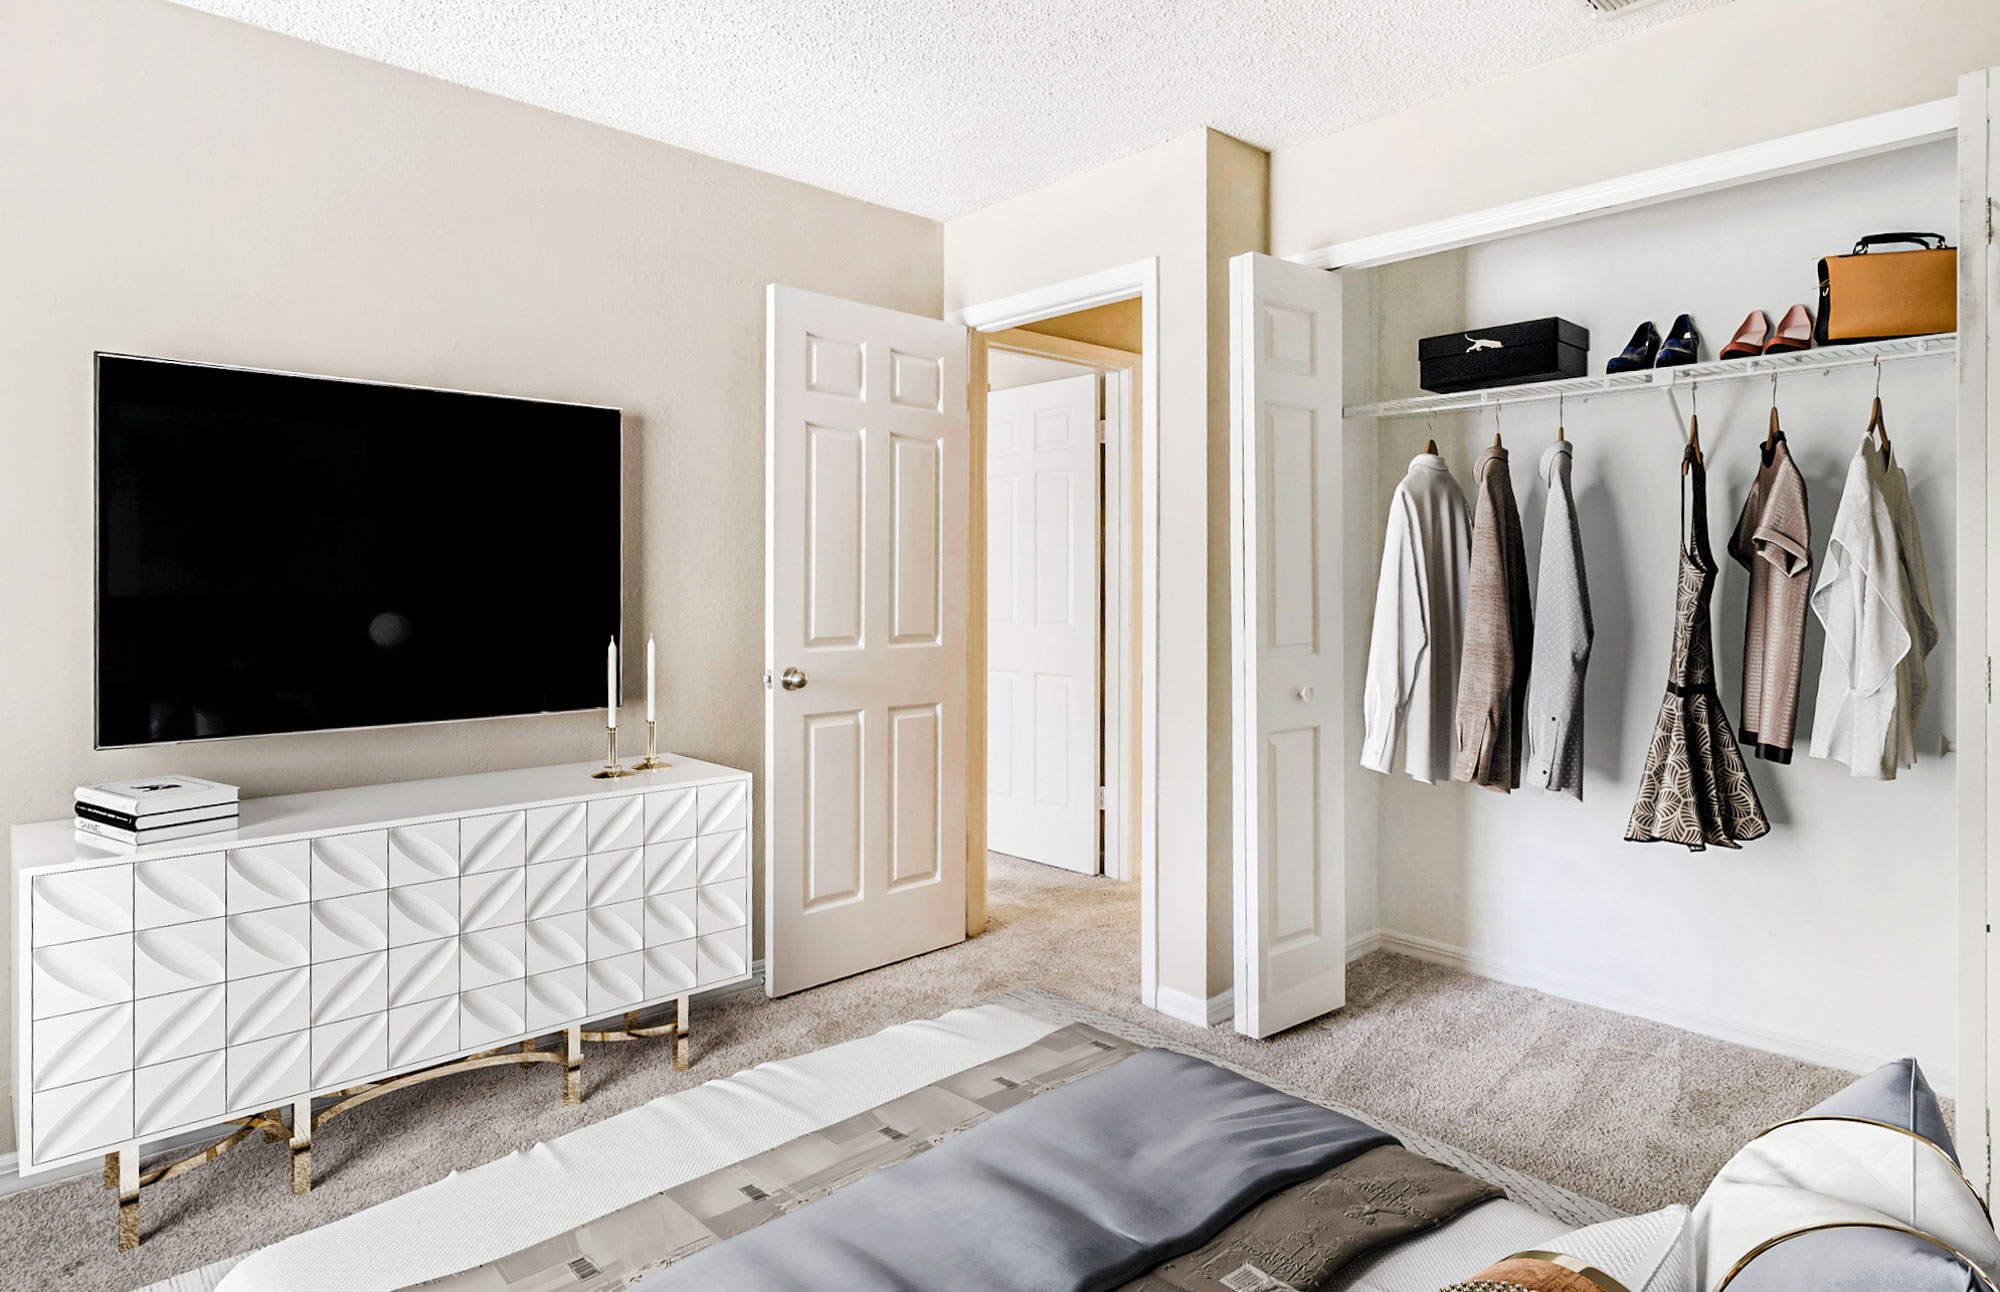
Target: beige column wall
x: 1192, y: 202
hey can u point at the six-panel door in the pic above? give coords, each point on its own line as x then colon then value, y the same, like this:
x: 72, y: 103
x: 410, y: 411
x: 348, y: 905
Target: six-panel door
x: 166, y: 994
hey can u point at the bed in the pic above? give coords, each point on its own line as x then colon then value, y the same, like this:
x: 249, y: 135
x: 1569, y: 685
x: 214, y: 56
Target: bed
x: 510, y: 1223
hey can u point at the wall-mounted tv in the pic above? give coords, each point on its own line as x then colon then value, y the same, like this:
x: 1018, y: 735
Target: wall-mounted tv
x: 284, y: 553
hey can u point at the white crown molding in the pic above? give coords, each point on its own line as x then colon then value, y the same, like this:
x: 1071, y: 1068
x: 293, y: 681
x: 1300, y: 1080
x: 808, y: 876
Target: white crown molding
x: 1104, y: 287
x: 1944, y: 1079
x: 1844, y: 141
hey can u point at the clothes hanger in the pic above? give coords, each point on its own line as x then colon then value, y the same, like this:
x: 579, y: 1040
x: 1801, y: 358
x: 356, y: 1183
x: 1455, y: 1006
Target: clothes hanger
x: 1496, y: 426
x: 1876, y: 426
x: 1430, y: 445
x: 1693, y: 452
x: 1776, y: 433
x: 1559, y: 419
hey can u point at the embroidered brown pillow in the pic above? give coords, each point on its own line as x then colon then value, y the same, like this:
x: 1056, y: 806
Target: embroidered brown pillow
x: 1539, y: 1272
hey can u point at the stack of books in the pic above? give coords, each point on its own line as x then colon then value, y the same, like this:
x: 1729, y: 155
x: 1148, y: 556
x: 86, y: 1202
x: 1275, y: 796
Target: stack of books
x: 133, y: 814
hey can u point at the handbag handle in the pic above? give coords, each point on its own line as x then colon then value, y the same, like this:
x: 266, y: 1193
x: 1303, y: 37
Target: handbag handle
x: 1924, y: 240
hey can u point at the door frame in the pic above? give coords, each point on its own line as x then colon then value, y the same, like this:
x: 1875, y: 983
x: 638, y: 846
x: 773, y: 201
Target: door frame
x: 1120, y: 370
x: 1139, y: 773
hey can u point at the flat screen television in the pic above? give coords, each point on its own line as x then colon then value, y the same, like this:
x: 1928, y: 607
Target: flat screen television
x: 284, y: 553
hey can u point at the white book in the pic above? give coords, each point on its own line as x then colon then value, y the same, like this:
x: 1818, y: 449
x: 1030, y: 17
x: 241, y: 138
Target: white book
x: 99, y: 832
x: 142, y: 798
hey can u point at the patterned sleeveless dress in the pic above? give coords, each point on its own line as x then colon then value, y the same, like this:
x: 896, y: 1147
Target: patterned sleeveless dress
x: 1695, y: 789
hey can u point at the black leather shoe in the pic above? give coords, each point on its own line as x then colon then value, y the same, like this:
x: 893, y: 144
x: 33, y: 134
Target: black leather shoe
x: 1682, y: 346
x: 1640, y: 354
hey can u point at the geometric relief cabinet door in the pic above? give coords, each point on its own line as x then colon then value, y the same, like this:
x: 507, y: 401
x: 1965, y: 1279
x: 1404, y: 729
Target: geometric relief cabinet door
x: 87, y: 1117
x: 492, y: 842
x: 174, y: 1027
x: 177, y: 890
x: 350, y: 863
x: 74, y: 905
x: 419, y: 853
x: 178, y: 956
x: 78, y: 1047
x: 185, y: 1092
x: 82, y: 975
x: 348, y: 988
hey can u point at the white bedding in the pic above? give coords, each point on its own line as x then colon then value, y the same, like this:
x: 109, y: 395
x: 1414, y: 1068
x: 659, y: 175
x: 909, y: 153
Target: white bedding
x: 474, y: 1216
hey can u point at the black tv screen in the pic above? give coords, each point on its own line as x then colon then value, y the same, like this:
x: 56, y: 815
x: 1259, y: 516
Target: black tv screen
x: 280, y: 553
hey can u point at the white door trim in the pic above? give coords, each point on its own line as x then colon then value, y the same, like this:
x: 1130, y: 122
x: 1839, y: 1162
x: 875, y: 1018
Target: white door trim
x: 1140, y: 279
x: 1978, y: 283
x: 1843, y: 141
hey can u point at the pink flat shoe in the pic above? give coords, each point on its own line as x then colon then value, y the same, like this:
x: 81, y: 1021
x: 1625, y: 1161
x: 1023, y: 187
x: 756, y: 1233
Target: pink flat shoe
x: 1749, y: 338
x: 1795, y: 331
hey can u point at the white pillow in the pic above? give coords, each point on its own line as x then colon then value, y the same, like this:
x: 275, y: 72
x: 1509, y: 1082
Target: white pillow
x: 1649, y: 1253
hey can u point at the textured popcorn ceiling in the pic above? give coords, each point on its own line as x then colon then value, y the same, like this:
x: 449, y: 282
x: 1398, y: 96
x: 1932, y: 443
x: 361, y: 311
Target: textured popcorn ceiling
x: 943, y: 106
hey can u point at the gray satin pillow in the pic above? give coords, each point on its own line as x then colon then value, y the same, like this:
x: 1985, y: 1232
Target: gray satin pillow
x: 1856, y: 1260
x: 1895, y: 1093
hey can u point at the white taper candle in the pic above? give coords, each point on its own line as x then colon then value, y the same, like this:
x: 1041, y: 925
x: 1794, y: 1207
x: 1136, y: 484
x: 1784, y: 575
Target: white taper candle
x: 611, y: 684
x: 652, y: 712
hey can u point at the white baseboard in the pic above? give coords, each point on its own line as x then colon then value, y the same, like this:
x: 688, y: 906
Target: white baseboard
x: 1944, y: 1077
x: 1219, y: 1008
x: 1362, y: 943
x: 10, y: 1177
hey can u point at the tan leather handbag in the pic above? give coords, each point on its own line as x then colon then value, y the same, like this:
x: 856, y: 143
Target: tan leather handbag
x: 1873, y: 295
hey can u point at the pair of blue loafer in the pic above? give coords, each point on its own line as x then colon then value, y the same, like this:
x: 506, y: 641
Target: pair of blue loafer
x: 1647, y: 350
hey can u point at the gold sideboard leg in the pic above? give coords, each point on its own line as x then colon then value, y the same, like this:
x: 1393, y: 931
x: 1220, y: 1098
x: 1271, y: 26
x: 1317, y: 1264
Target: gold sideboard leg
x: 528, y: 1047
x: 302, y: 1146
x: 126, y: 1161
x: 681, y: 1035
x: 274, y: 1126
x: 572, y: 1066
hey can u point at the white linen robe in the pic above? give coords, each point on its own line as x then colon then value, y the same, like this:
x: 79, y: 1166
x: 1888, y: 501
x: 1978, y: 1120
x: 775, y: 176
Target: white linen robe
x: 1411, y: 695
x: 1873, y: 600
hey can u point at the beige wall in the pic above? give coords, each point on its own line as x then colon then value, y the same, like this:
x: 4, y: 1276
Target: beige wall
x: 1729, y: 76
x: 1191, y: 202
x: 179, y: 185
x: 1116, y: 326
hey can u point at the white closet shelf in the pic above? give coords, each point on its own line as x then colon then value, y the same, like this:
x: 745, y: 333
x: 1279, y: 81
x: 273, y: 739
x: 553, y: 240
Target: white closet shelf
x: 1863, y: 355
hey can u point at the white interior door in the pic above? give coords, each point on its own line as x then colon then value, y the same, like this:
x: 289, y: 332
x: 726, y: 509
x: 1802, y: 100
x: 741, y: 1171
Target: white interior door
x: 1290, y: 708
x: 1042, y: 573
x: 866, y: 498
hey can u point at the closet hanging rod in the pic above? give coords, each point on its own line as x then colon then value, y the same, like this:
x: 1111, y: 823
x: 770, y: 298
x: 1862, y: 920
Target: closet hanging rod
x: 1581, y: 388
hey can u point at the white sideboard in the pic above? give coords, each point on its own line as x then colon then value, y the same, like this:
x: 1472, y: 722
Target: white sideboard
x: 347, y: 936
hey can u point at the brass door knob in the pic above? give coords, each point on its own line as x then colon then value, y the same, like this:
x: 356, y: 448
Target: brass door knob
x: 793, y: 680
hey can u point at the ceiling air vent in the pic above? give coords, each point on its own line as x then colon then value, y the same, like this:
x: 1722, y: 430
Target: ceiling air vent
x: 1617, y: 8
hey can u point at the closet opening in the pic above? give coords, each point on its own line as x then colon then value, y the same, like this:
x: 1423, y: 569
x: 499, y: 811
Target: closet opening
x: 1754, y: 943
x: 1059, y: 409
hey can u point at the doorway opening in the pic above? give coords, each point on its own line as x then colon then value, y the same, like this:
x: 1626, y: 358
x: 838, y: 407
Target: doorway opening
x: 1061, y: 424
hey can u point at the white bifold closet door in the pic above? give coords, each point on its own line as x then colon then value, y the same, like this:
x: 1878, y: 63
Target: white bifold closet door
x: 1290, y: 711
x: 867, y: 492
x: 1042, y: 622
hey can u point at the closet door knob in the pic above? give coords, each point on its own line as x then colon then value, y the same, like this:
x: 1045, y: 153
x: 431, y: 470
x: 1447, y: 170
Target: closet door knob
x: 793, y: 680
x: 1306, y: 691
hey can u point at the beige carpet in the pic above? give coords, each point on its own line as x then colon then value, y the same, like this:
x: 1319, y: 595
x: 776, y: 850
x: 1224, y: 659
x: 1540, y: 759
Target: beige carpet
x: 1630, y: 1112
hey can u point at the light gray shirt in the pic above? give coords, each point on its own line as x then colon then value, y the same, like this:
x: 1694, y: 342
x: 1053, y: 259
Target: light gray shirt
x: 1563, y: 631
x: 1412, y: 684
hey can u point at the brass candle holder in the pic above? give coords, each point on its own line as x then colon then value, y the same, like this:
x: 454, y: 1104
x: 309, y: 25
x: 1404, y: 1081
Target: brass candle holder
x: 652, y: 762
x: 611, y: 769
